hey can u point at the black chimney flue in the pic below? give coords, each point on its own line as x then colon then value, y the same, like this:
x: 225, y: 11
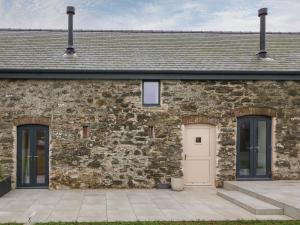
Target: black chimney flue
x: 262, y: 14
x: 70, y: 49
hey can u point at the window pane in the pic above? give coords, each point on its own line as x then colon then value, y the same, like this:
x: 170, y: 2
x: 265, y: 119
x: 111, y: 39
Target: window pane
x: 261, y: 148
x: 25, y: 176
x: 40, y: 157
x: 151, y: 92
x: 245, y: 147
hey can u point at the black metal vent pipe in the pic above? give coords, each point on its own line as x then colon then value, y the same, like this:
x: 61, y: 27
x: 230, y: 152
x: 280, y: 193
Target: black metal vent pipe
x: 70, y: 11
x: 262, y: 14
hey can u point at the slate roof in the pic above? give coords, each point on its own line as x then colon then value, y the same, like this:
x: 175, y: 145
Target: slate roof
x: 148, y: 50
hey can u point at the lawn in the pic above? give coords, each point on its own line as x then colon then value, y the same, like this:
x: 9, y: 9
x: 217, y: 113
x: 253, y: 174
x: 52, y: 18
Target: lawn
x: 253, y: 222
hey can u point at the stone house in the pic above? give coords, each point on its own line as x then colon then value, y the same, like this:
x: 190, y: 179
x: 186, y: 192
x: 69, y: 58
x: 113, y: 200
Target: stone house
x: 129, y: 109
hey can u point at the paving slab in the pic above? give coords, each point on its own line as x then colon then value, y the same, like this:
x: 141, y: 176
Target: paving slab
x: 91, y: 218
x: 121, y: 215
x: 63, y: 215
x: 94, y: 200
x: 92, y: 210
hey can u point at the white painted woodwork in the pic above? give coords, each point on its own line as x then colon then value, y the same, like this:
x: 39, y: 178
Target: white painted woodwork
x: 199, y: 155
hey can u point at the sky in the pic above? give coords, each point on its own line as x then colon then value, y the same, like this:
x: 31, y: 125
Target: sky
x: 183, y: 15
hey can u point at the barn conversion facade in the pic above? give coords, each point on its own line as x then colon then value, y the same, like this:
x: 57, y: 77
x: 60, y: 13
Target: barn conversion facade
x: 134, y: 108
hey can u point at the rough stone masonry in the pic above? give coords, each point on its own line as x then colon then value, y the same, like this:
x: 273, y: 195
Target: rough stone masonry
x: 118, y: 151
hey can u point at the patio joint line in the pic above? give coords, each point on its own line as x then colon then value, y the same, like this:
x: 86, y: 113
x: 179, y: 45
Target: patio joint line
x: 130, y: 204
x: 161, y: 211
x: 106, y: 206
x: 36, y: 215
x: 180, y: 203
x: 51, y: 210
x: 81, y: 203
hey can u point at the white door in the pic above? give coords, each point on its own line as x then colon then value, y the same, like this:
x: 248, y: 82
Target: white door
x: 198, y: 161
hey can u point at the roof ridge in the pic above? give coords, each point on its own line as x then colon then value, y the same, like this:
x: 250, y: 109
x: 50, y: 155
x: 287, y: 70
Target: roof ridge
x: 145, y: 31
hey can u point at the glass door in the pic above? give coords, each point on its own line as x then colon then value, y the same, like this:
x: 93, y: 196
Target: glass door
x: 32, y: 156
x: 254, y: 147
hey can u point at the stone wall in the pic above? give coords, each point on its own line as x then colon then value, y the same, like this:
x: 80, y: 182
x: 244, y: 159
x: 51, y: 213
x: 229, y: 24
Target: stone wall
x: 118, y: 151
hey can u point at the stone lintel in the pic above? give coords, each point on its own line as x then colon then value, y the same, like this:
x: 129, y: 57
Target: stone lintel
x: 199, y: 119
x: 32, y: 120
x: 254, y: 111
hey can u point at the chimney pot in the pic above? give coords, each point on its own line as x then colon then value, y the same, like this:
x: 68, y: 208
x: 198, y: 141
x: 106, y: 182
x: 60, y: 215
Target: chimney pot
x: 262, y: 11
x: 70, y: 10
x: 262, y: 14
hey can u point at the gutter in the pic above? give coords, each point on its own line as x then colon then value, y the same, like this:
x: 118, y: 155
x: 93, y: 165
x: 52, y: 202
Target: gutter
x: 70, y: 74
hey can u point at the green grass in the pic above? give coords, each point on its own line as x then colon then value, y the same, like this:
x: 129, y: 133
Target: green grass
x: 242, y: 222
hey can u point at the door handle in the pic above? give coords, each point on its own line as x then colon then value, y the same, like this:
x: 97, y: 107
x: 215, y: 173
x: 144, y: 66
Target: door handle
x: 184, y: 156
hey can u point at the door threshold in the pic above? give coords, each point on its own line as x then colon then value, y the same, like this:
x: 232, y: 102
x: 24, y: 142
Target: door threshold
x: 32, y: 187
x: 253, y: 179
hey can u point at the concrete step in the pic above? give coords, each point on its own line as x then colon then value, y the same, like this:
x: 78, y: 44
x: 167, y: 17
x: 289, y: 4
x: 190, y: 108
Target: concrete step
x: 250, y: 203
x: 288, y: 209
x: 234, y: 186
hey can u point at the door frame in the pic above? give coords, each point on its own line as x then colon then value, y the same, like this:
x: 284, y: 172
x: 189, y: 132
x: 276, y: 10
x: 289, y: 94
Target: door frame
x: 253, y: 120
x: 32, y: 128
x: 212, y: 154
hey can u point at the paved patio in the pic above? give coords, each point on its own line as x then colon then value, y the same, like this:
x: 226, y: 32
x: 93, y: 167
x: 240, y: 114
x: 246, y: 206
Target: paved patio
x: 120, y: 205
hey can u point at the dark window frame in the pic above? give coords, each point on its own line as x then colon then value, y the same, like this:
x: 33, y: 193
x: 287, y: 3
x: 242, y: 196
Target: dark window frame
x: 159, y: 93
x: 254, y: 120
x: 33, y: 151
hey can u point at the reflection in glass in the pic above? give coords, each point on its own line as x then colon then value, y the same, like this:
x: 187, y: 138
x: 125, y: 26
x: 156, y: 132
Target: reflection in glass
x: 151, y: 92
x: 40, y: 156
x: 261, y: 148
x: 25, y: 176
x: 245, y: 148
